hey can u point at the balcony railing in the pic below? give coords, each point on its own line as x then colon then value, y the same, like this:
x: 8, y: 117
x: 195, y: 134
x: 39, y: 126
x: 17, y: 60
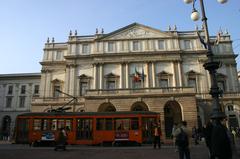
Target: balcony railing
x: 139, y: 91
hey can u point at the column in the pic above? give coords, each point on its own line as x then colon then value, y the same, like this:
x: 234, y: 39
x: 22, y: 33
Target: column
x: 121, y: 76
x: 153, y: 75
x: 72, y: 78
x: 147, y: 75
x: 48, y: 89
x: 43, y: 84
x: 101, y: 76
x: 179, y: 71
x: 94, y: 76
x: 174, y: 76
x: 127, y: 76
x: 67, y: 78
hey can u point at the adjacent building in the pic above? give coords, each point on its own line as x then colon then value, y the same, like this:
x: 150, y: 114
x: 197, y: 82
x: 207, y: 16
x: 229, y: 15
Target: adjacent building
x: 16, y: 93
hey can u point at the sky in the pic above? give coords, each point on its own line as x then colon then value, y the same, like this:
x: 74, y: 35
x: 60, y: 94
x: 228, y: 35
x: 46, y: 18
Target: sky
x: 26, y: 24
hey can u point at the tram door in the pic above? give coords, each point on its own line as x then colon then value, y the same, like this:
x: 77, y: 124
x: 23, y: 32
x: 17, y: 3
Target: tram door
x: 84, y: 129
x: 147, y: 128
x: 22, y: 133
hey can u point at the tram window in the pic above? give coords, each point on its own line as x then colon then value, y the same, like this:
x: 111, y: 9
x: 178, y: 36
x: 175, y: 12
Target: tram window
x: 134, y: 123
x: 122, y: 124
x: 45, y: 124
x: 60, y: 123
x: 37, y: 124
x: 100, y: 124
x: 84, y: 128
x: 54, y: 124
x: 68, y: 124
x: 108, y: 124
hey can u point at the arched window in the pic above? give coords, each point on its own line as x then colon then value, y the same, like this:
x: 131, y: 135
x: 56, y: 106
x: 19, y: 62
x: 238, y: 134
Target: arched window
x: 139, y: 106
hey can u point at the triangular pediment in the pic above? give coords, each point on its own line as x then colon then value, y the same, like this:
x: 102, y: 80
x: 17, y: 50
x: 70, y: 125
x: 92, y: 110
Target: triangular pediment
x: 136, y: 31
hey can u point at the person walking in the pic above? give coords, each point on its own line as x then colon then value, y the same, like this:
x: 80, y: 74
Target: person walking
x: 62, y: 140
x: 174, y: 128
x: 157, y: 136
x: 183, y: 136
x: 208, y: 137
x: 221, y: 140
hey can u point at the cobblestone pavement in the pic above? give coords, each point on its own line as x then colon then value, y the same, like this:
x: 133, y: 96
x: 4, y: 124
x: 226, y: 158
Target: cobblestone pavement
x: 13, y: 151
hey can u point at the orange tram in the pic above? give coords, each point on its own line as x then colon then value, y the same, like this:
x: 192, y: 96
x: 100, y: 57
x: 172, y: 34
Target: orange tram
x: 89, y: 128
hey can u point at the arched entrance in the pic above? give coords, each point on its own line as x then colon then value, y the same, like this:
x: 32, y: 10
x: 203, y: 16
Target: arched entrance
x: 106, y: 107
x: 139, y: 106
x: 6, y: 127
x: 172, y: 114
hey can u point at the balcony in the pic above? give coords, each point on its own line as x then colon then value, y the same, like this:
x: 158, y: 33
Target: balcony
x: 140, y: 91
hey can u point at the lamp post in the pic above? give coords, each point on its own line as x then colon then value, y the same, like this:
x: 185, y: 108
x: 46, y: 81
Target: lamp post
x: 211, y: 66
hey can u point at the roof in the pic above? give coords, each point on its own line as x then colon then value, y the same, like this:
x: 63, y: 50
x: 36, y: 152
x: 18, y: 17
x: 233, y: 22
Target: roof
x: 20, y: 75
x: 89, y: 113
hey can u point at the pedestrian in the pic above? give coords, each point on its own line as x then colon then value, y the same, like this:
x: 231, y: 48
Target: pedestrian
x: 208, y: 137
x: 220, y: 140
x: 61, y: 140
x: 183, y: 136
x: 157, y: 136
x: 175, y: 126
x: 195, y: 135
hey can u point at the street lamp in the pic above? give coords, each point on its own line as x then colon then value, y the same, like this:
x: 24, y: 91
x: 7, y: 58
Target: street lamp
x: 211, y: 66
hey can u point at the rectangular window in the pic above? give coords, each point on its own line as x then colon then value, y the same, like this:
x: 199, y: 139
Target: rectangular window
x: 37, y: 124
x: 110, y: 46
x: 83, y: 88
x: 54, y: 124
x: 68, y: 124
x: 10, y: 89
x: 137, y: 84
x: 136, y: 46
x: 161, y: 44
x: 23, y: 89
x: 221, y: 85
x: 36, y: 89
x: 60, y: 123
x: 187, y: 44
x: 100, y: 124
x: 192, y: 82
x: 108, y: 124
x: 85, y: 49
x: 45, y: 124
x: 8, y: 102
x: 134, y: 124
x: 59, y: 55
x: 111, y: 85
x: 163, y: 83
x: 122, y: 124
x: 56, y: 93
x: 22, y: 102
x: 84, y: 129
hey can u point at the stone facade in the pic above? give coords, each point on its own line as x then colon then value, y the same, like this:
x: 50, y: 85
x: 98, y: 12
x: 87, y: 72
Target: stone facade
x: 16, y: 92
x: 139, y: 68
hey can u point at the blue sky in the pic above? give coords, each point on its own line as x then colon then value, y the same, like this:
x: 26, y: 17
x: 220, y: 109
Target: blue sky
x: 26, y: 24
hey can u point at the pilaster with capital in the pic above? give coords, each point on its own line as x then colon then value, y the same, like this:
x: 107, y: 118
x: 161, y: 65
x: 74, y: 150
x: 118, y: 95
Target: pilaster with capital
x: 101, y: 76
x: 127, y: 76
x: 121, y: 76
x: 94, y: 76
x: 153, y: 75
x: 73, y: 77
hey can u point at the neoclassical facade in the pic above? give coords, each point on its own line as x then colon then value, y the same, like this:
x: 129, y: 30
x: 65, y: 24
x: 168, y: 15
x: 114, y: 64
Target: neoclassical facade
x: 139, y: 68
x: 16, y: 92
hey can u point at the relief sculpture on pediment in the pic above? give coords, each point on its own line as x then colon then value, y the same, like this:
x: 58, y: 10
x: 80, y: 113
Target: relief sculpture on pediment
x: 134, y: 33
